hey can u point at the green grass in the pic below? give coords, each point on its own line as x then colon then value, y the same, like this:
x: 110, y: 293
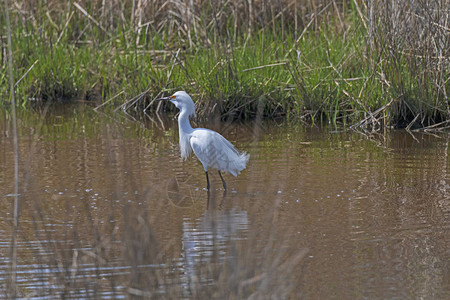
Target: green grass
x: 334, y: 72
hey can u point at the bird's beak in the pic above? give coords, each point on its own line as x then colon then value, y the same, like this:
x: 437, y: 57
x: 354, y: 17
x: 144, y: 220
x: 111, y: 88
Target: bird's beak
x: 164, y: 98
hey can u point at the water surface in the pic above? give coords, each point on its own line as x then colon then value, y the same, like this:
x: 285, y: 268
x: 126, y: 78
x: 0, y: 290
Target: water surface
x: 108, y: 209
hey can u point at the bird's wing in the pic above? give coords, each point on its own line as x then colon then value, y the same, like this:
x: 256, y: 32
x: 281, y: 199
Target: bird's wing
x: 214, y: 151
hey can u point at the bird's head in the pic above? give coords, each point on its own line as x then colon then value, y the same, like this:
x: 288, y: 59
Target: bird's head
x: 183, y: 102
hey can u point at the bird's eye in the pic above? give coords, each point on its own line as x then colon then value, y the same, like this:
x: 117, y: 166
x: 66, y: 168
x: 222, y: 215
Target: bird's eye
x: 172, y: 97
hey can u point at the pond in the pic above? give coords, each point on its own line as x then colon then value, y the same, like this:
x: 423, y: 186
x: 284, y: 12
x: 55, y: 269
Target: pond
x: 108, y: 209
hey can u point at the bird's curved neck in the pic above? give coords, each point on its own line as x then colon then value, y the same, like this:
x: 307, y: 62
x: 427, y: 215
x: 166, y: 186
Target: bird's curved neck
x: 183, y: 123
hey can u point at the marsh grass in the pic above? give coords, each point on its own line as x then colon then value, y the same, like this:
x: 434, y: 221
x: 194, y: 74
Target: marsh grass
x: 326, y: 61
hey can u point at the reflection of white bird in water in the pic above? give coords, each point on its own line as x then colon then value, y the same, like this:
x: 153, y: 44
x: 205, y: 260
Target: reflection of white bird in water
x: 211, y: 148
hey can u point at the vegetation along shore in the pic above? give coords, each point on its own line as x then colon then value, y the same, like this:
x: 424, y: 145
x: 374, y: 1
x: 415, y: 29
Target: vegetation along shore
x: 371, y: 64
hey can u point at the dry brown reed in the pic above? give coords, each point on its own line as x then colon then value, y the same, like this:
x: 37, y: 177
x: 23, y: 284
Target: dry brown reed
x: 410, y: 44
x: 184, y: 22
x: 11, y: 288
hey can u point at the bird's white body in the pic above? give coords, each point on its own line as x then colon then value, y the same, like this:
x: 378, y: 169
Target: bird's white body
x: 211, y: 148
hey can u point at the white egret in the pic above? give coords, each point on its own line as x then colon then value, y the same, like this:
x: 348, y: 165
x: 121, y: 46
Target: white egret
x: 211, y: 148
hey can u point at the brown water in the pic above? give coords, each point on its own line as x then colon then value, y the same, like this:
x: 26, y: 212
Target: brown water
x: 109, y: 210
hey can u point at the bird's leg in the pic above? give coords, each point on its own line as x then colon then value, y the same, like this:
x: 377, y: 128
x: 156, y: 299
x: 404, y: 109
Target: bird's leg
x: 223, y: 181
x: 209, y: 199
x: 207, y: 180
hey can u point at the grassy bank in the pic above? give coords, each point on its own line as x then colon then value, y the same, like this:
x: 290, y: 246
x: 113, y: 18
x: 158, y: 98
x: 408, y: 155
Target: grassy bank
x: 338, y: 61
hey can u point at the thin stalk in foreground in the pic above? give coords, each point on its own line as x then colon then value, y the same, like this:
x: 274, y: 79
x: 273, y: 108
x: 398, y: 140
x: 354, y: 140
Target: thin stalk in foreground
x: 12, y: 291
